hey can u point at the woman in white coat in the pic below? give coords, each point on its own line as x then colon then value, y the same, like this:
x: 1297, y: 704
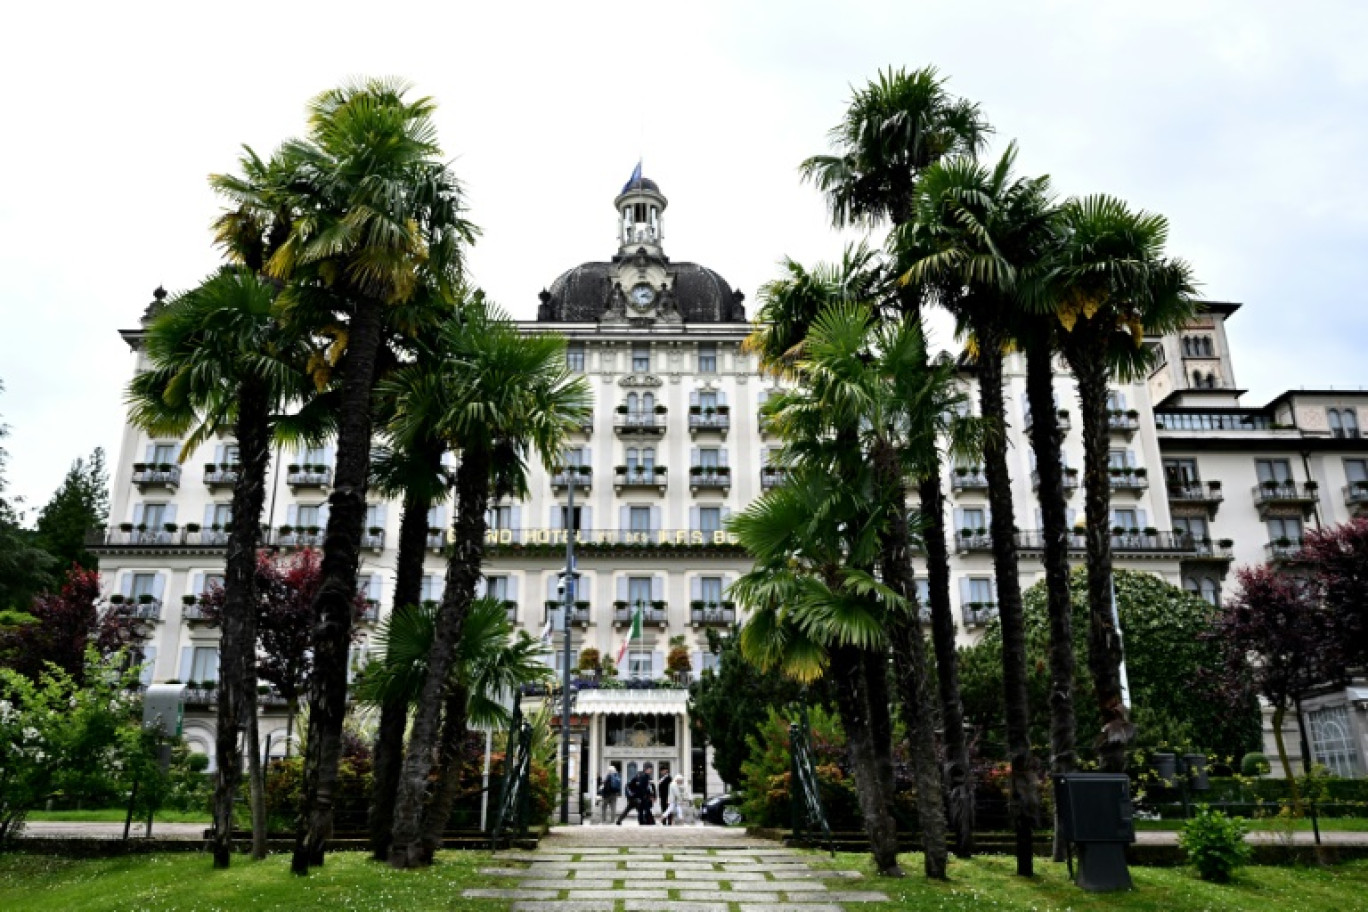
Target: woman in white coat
x: 681, y: 802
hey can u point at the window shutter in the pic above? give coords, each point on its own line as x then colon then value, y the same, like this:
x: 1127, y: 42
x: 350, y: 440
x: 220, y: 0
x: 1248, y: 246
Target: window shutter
x: 992, y: 587
x: 622, y: 588
x: 481, y: 587
x: 1040, y: 518
x: 556, y: 516
x: 959, y: 518
x: 512, y: 590
x: 1072, y: 516
x: 721, y: 397
x: 208, y: 516
x: 381, y: 509
x: 726, y: 515
x: 187, y: 657
x: 696, y: 660
x: 624, y: 519
x: 693, y: 397
x: 377, y: 585
x: 586, y: 518
x: 657, y: 588
x: 441, y: 516
x: 965, y: 597
x: 988, y: 515
x: 1144, y: 520
x: 328, y: 452
x: 169, y: 514
x: 586, y: 588
x: 657, y: 664
x: 126, y: 585
x: 694, y: 522
x: 693, y: 457
x: 218, y: 455
x: 196, y: 584
x: 655, y: 519
x: 158, y: 586
x: 588, y: 458
x: 137, y: 514
x: 722, y: 457
x: 550, y: 587
x: 149, y: 657
x: 489, y: 517
x: 292, y: 514
x: 1120, y: 399
x: 323, y: 516
x: 696, y: 589
x: 151, y: 452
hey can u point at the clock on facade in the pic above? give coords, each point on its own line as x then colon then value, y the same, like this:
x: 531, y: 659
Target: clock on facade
x: 643, y: 295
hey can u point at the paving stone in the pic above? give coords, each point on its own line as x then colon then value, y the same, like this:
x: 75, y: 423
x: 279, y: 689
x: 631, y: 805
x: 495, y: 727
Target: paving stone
x: 794, y: 886
x: 504, y: 872
x: 728, y: 895
x: 718, y: 875
x: 674, y: 905
x: 533, y: 856
x: 617, y: 894
x: 655, y: 866
x: 853, y: 896
x: 577, y: 866
x: 510, y: 894
x: 568, y: 884
x: 561, y: 905
x: 788, y: 907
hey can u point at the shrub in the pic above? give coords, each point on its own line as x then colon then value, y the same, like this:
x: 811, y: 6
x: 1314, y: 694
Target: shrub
x: 1254, y: 764
x: 1215, y: 844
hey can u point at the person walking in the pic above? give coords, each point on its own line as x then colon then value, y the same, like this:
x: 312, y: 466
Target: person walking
x: 633, y: 798
x: 663, y: 789
x: 646, y: 795
x: 608, y: 794
x: 681, y: 804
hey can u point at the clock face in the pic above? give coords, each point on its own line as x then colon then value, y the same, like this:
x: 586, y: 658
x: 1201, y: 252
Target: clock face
x: 643, y: 295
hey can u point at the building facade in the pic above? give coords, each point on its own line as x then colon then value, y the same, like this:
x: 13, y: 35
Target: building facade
x: 675, y: 445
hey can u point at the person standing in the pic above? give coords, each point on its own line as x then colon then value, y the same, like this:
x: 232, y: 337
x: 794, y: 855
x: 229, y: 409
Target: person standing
x: 681, y: 805
x: 608, y: 794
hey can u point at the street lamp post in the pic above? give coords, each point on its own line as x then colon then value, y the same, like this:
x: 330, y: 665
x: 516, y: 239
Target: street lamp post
x: 567, y: 604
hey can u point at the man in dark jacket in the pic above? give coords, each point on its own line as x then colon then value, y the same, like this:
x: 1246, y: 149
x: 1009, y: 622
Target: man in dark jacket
x: 609, y: 791
x: 645, y: 795
x: 633, y: 793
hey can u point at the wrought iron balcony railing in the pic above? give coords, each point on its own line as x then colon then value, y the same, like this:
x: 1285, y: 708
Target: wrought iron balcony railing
x: 156, y: 475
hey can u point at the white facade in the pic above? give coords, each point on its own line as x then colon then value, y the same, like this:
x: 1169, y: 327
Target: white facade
x: 674, y: 446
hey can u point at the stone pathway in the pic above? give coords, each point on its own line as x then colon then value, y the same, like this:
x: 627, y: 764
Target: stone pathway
x: 676, y: 869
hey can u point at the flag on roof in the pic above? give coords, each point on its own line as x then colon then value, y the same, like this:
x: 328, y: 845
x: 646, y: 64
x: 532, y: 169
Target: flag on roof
x: 636, y: 176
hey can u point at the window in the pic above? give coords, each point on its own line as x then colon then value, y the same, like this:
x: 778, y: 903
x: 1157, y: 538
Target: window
x: 1196, y: 526
x: 1351, y: 427
x: 639, y: 730
x: 981, y: 590
x: 496, y: 587
x: 571, y: 519
x: 1332, y: 740
x: 204, y: 664
x: 222, y: 515
x: 709, y: 660
x: 212, y: 581
x: 1120, y: 459
x: 163, y: 453
x: 707, y: 400
x: 307, y: 517
x: 1181, y: 473
x: 375, y: 516
x: 231, y: 454
x: 923, y: 592
x: 1336, y: 428
x: 433, y: 587
x: 632, y: 456
x: 1205, y: 588
x: 648, y: 403
x: 974, y: 518
x: 314, y: 456
x: 648, y: 460
x: 633, y: 404
x: 710, y: 589
x: 574, y: 356
x: 1343, y: 423
x: 708, y: 460
x: 1125, y: 518
x: 574, y: 457
x: 1277, y: 470
x: 143, y: 584
x: 641, y: 358
x: 1356, y: 471
x: 639, y: 590
x: 640, y: 518
x: 153, y: 516
x: 639, y: 664
x: 709, y: 520
x: 1287, y: 528
x: 499, y: 518
x: 707, y: 357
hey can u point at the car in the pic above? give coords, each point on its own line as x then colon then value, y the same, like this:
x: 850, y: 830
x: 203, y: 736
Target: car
x: 722, y: 810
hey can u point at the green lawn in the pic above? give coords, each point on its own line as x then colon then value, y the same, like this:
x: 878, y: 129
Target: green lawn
x: 116, y: 815
x: 186, y: 882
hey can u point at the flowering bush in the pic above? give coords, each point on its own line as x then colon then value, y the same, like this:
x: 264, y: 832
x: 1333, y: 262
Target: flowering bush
x: 54, y: 732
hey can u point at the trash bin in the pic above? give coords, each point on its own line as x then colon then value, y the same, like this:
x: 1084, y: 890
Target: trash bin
x: 1197, y: 772
x: 1096, y: 817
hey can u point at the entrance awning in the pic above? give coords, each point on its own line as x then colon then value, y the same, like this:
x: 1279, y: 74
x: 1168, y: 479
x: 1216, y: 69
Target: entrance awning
x: 643, y: 702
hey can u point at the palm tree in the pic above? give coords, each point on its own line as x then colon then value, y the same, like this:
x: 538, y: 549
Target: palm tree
x: 379, y: 218
x: 1108, y: 284
x: 490, y: 661
x: 219, y: 357
x: 500, y: 398
x: 893, y: 130
x: 417, y: 476
x: 975, y: 228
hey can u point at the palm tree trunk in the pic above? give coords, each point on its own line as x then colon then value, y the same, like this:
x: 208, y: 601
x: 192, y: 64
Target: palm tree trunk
x: 463, y: 572
x: 389, y: 738
x: 238, y: 621
x: 448, y: 770
x: 333, y: 607
x: 1025, y: 798
x: 1104, y: 641
x: 852, y: 700
x: 255, y: 775
x: 880, y: 720
x: 909, y: 660
x: 1045, y: 441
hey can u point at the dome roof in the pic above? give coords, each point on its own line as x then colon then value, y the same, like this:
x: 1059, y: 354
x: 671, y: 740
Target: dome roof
x: 582, y: 295
x: 637, y: 182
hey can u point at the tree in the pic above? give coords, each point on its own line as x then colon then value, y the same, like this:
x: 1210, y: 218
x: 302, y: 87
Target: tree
x: 1278, y: 641
x: 501, y: 398
x: 893, y: 129
x: 380, y: 222
x: 25, y: 569
x: 975, y: 230
x: 220, y: 356
x: 79, y: 505
x: 1335, y: 561
x: 1107, y: 284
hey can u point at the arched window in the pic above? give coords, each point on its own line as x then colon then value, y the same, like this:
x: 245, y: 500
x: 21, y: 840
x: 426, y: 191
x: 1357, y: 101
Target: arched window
x: 1211, y: 591
x: 1196, y: 379
x: 1190, y: 584
x: 633, y: 405
x: 648, y: 403
x: 631, y: 459
x: 1351, y: 428
x: 1336, y: 428
x: 648, y: 459
x: 1207, y: 348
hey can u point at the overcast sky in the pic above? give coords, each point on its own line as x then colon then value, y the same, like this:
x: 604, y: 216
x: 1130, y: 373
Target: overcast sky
x: 1244, y: 122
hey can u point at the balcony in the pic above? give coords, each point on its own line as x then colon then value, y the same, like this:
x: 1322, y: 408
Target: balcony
x: 718, y: 422
x: 655, y: 614
x: 654, y: 477
x: 712, y: 614
x: 582, y: 476
x: 369, y: 614
x: 579, y: 613
x: 1129, y: 481
x: 641, y: 424
x: 1061, y: 416
x: 968, y: 479
x: 977, y: 614
x: 1283, y: 550
x: 967, y: 540
x: 1206, y: 551
x: 1356, y: 498
x: 708, y: 479
x: 295, y: 537
x: 308, y: 476
x: 129, y: 536
x: 1123, y: 423
x: 138, y: 607
x: 436, y: 540
x: 771, y: 477
x: 1124, y: 542
x: 1194, y: 493
x: 764, y: 424
x: 1070, y: 480
x: 192, y: 612
x: 201, y: 694
x: 220, y: 476
x: 1284, y: 497
x: 374, y: 538
x: 156, y: 475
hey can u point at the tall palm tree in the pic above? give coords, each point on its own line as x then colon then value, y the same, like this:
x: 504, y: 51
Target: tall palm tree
x: 379, y: 219
x: 415, y: 475
x: 894, y: 129
x: 975, y: 228
x: 500, y: 398
x: 218, y: 356
x: 1107, y: 284
x: 490, y: 661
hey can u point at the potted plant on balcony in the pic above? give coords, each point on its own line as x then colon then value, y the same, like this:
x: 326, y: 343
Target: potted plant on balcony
x: 1070, y: 472
x: 209, y: 686
x: 695, y: 410
x: 1151, y: 531
x: 709, y: 411
x: 142, y: 527
x: 1270, y: 486
x: 116, y: 599
x: 287, y: 529
x: 677, y: 661
x: 695, y: 470
x: 1213, y: 486
x: 724, y: 471
x: 1132, y: 414
x: 622, y: 409
x: 1226, y: 543
x: 1063, y: 414
x: 1283, y: 541
x: 164, y: 468
x: 1312, y: 486
x: 192, y: 528
x: 145, y: 599
x: 723, y: 410
x: 1114, y: 472
x: 375, y: 531
x: 961, y: 471
x: 585, y: 471
x: 661, y: 409
x: 1127, y: 471
x: 139, y: 467
x: 1142, y: 473
x: 1361, y: 487
x: 660, y: 470
x: 966, y: 534
x: 1118, y: 530
x: 589, y: 659
x: 216, y: 527
x: 293, y: 468
x: 620, y: 605
x: 210, y: 468
x: 188, y: 599
x: 170, y: 527
x: 981, y: 533
x: 659, y: 605
x: 125, y: 527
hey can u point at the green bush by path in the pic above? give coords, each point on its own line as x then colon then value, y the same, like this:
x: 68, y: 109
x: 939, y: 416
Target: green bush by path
x: 187, y: 883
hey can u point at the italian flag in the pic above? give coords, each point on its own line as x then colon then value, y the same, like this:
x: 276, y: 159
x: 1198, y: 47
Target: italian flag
x: 631, y: 634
